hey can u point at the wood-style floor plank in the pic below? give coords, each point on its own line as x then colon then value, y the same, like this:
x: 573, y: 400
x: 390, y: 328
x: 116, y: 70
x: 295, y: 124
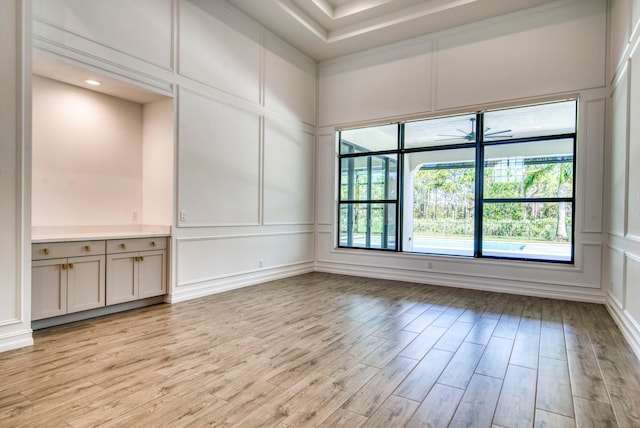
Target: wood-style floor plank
x: 438, y: 407
x: 394, y: 412
x: 554, y: 387
x: 418, y: 383
x: 332, y: 351
x: 368, y: 398
x: 478, y: 403
x: 462, y: 366
x: 516, y: 405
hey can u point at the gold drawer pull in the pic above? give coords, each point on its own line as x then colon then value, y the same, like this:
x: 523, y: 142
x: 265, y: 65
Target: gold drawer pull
x: 124, y: 246
x: 141, y: 258
x: 87, y: 247
x: 46, y: 251
x: 153, y: 243
x: 136, y: 258
x: 64, y: 266
x: 70, y: 265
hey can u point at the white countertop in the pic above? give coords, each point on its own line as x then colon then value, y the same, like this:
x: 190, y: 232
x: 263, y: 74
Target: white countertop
x: 43, y: 234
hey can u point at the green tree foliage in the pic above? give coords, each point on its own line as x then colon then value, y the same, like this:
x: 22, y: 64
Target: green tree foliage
x: 444, y: 201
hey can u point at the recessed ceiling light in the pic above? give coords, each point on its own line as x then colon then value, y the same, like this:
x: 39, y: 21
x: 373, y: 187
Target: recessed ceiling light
x: 93, y: 82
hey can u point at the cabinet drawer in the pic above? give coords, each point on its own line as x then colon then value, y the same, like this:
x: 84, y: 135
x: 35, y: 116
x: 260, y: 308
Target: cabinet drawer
x: 115, y: 246
x: 56, y: 250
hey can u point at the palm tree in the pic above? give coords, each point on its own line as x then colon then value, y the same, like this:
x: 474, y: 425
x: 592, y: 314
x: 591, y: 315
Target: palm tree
x: 565, y: 177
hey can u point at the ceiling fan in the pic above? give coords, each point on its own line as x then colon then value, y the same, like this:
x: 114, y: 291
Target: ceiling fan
x: 471, y: 136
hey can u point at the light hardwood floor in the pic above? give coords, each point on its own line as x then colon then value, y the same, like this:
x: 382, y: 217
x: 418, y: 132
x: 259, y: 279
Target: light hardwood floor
x: 330, y: 350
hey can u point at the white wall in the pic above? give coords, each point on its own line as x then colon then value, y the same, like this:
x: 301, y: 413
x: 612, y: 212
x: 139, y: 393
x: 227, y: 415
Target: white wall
x: 245, y: 113
x: 15, y: 305
x: 157, y: 162
x: 622, y: 276
x: 548, y: 51
x: 87, y: 157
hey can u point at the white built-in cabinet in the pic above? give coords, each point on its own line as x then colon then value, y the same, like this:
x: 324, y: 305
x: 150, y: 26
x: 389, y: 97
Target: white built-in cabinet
x: 67, y: 277
x: 70, y: 277
x: 135, y: 269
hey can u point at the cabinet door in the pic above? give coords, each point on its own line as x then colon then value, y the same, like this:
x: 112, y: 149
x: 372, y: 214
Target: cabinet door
x: 48, y: 288
x: 122, y: 278
x: 151, y: 274
x: 85, y: 283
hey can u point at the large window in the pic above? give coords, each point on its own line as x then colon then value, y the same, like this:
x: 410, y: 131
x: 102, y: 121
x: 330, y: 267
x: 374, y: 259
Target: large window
x: 496, y: 183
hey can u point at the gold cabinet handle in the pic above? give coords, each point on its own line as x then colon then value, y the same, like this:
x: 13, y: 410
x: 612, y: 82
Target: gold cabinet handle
x: 70, y: 265
x: 136, y: 258
x: 87, y: 247
x: 153, y: 243
x: 64, y: 266
x: 141, y: 258
x: 46, y: 251
x: 124, y: 246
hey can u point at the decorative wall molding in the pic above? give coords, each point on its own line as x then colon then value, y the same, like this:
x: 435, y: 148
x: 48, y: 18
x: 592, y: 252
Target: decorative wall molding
x: 53, y: 39
x: 629, y: 328
x: 251, y: 253
x: 584, y: 275
x: 465, y: 281
x: 206, y: 287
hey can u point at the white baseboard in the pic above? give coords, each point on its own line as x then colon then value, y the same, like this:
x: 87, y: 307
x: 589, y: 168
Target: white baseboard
x: 475, y: 283
x: 16, y: 340
x: 232, y: 282
x: 629, y: 328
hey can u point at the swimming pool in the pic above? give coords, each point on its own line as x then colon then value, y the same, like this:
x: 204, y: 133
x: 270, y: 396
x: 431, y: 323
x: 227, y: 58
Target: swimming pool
x: 464, y: 247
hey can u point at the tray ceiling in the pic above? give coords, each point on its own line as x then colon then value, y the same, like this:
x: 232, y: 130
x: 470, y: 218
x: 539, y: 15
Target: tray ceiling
x: 325, y: 29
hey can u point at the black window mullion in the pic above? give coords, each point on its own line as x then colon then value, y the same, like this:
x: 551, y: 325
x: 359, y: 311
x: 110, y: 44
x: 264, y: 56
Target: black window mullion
x: 369, y: 187
x: 400, y: 188
x: 477, y: 232
x: 573, y: 197
x: 350, y: 195
x: 530, y: 139
x: 526, y: 200
x: 385, y: 215
x: 363, y: 154
x: 438, y: 148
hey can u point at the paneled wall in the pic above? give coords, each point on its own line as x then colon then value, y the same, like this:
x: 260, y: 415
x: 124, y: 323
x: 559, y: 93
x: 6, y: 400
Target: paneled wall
x: 550, y: 51
x: 245, y: 109
x: 15, y: 305
x: 622, y: 276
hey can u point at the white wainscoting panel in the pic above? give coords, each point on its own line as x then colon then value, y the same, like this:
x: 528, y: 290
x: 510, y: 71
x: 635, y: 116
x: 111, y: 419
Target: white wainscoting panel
x: 621, y: 17
x: 551, y: 280
x: 143, y: 30
x: 618, y: 158
x: 632, y: 289
x: 288, y: 174
x: 211, y: 264
x: 593, y: 152
x: 218, y: 163
x: 361, y: 90
x: 520, y: 57
x: 290, y: 83
x: 616, y: 273
x: 633, y: 194
x: 326, y: 181
x: 216, y: 54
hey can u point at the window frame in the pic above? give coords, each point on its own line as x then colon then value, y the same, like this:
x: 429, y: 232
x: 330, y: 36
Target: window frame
x: 479, y: 145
